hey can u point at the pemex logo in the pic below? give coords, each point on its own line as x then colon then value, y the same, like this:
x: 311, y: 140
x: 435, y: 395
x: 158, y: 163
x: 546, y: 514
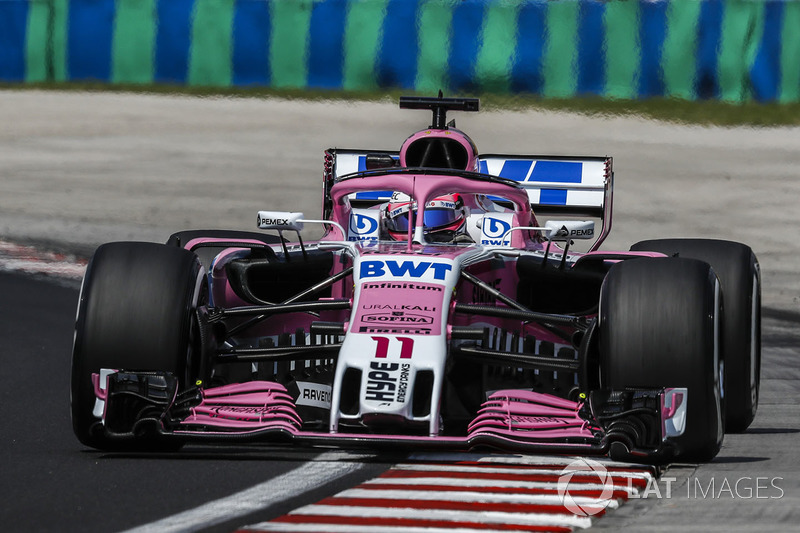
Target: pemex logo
x: 580, y: 475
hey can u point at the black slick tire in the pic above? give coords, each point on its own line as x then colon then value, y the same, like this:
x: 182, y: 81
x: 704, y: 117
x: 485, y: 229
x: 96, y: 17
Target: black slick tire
x: 135, y: 312
x: 658, y: 328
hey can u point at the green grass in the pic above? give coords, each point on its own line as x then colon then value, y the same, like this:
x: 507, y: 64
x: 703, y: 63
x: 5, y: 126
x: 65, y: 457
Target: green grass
x: 705, y: 112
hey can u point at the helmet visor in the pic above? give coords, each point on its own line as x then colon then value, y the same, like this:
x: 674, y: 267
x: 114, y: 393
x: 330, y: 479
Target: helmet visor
x: 434, y: 218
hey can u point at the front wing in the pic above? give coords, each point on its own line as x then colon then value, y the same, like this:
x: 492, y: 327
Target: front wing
x: 628, y: 425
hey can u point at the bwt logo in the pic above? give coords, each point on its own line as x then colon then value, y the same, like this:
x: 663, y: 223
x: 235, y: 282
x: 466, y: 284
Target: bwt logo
x: 410, y: 269
x: 493, y: 231
x: 362, y: 224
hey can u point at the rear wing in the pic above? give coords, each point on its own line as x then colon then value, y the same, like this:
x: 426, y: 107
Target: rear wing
x: 574, y: 185
x: 556, y: 185
x: 581, y: 186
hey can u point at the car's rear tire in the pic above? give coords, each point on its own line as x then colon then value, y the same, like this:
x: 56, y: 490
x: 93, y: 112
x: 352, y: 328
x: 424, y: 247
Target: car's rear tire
x: 135, y: 313
x: 658, y: 327
x: 737, y: 269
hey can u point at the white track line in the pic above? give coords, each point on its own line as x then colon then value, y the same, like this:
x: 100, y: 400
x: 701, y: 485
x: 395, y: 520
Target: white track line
x: 481, y: 497
x: 288, y: 527
x: 478, y: 517
x: 306, y: 477
x: 458, y: 482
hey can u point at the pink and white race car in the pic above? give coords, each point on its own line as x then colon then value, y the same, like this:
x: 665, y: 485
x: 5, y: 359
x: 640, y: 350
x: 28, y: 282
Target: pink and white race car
x: 440, y: 310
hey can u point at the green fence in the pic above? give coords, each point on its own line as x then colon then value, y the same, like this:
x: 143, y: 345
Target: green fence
x: 733, y: 50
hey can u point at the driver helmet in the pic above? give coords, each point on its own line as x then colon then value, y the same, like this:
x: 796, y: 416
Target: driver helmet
x: 444, y: 217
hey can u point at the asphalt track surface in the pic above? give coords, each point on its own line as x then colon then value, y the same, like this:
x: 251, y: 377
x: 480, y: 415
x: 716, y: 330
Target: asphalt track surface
x: 51, y: 483
x: 80, y: 169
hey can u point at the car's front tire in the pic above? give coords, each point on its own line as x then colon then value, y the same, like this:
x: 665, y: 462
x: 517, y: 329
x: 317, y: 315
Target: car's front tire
x: 135, y: 313
x: 658, y: 327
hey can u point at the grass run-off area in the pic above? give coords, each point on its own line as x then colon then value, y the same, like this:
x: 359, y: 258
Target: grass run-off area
x: 700, y: 112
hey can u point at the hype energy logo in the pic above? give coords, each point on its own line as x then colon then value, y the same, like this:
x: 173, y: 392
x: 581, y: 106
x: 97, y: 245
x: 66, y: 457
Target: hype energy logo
x: 387, y: 381
x: 404, y: 269
x: 362, y: 228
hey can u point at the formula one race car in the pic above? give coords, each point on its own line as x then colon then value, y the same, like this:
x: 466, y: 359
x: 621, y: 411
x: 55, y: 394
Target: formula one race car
x: 436, y: 312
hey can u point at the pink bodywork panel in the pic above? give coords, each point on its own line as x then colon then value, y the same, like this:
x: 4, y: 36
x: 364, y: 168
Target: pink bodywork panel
x: 399, y: 302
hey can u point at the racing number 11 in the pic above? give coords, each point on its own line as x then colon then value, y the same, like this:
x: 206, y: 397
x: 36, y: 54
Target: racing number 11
x: 382, y: 350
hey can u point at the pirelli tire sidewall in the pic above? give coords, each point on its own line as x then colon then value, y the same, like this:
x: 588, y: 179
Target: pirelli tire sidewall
x: 658, y: 327
x: 135, y: 312
x: 739, y: 274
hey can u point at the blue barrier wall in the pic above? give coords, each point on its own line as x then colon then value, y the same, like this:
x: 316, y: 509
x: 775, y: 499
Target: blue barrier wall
x: 732, y: 50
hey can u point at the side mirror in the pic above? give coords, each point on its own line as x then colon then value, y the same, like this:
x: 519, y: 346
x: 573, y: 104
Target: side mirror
x: 280, y: 220
x: 566, y: 230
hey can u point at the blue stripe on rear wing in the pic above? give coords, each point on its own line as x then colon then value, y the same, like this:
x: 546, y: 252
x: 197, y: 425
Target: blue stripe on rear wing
x: 582, y: 184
